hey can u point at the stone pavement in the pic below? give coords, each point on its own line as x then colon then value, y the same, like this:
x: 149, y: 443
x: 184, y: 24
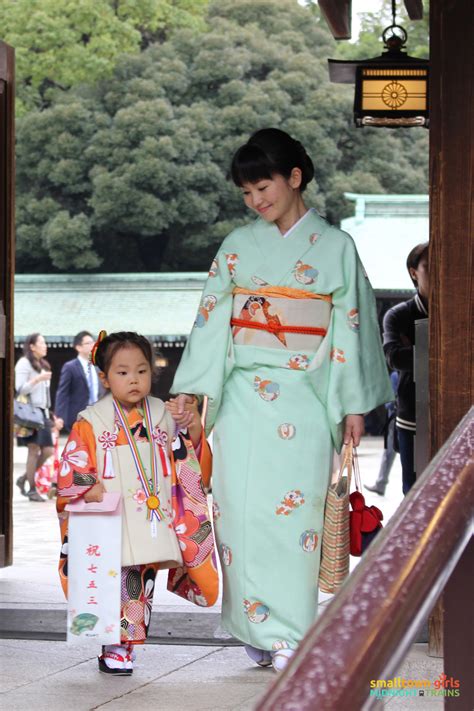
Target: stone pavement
x: 203, y: 669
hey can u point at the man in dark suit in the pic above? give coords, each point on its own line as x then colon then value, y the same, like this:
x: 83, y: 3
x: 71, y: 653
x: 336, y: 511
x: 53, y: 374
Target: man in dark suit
x: 79, y: 384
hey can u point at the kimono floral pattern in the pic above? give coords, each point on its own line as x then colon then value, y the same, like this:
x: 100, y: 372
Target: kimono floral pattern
x: 207, y: 305
x: 256, y: 611
x: 266, y: 389
x: 232, y: 262
x: 337, y: 355
x: 353, y: 320
x: 197, y: 579
x: 290, y: 502
x: 305, y: 273
x: 75, y: 470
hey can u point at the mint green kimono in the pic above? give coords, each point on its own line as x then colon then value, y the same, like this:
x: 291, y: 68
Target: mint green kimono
x: 273, y: 446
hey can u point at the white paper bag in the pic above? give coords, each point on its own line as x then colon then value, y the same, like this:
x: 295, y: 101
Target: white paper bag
x: 94, y: 581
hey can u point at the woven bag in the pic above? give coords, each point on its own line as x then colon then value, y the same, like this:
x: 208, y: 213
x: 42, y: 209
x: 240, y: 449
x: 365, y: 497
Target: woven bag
x: 334, y: 567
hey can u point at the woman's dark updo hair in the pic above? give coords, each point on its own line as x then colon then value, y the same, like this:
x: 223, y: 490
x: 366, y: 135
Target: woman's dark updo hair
x: 114, y: 342
x: 269, y: 152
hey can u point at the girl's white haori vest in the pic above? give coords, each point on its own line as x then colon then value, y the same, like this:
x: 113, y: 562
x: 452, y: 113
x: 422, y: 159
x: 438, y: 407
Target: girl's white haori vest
x: 138, y: 544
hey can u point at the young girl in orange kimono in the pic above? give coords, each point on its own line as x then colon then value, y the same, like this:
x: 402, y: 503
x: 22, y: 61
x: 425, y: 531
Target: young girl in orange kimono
x: 123, y: 444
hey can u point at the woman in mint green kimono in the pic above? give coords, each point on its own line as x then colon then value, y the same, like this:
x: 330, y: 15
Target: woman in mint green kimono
x: 286, y: 347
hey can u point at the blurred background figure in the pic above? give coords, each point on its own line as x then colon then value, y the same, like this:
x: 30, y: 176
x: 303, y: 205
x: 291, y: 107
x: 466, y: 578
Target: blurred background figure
x: 79, y: 384
x: 398, y: 344
x: 390, y: 447
x: 32, y: 382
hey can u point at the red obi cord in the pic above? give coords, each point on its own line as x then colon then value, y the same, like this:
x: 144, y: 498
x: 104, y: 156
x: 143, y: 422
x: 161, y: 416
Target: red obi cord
x: 278, y: 328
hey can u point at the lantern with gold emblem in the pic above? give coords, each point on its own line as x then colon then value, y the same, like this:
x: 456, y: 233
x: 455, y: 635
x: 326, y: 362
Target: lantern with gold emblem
x: 390, y: 90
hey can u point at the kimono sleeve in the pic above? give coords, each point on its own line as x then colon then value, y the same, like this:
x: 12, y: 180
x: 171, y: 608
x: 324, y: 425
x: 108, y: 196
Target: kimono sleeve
x: 78, y: 464
x: 208, y: 357
x: 358, y: 378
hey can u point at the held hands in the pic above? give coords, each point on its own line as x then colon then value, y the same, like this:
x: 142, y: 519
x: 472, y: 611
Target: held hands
x: 183, y: 410
x: 353, y: 429
x: 95, y: 494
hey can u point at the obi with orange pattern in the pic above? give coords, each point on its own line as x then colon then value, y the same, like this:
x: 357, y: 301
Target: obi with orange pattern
x: 280, y: 317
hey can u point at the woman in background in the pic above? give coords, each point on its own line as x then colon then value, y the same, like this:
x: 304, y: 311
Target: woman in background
x: 32, y: 380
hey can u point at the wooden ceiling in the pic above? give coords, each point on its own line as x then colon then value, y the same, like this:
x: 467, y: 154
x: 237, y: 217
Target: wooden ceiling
x: 338, y: 15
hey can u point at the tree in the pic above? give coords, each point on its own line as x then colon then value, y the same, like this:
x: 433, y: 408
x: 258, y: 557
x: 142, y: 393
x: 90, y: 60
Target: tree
x: 62, y: 43
x: 142, y: 159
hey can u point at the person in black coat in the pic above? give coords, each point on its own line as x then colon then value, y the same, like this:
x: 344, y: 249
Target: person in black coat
x: 398, y: 344
x: 79, y: 384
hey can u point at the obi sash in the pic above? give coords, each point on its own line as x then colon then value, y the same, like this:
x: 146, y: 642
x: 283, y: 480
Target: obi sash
x: 282, y: 318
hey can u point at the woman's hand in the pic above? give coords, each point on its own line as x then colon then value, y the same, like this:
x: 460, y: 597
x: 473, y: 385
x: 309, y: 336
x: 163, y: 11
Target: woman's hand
x: 95, y: 493
x: 58, y: 422
x: 353, y: 429
x: 45, y: 375
x: 183, y: 409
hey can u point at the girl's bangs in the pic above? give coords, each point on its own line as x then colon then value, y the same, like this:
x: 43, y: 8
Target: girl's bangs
x: 250, y: 164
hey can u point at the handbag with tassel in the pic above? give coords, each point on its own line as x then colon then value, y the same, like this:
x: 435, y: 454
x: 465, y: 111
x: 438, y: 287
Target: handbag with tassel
x: 365, y: 521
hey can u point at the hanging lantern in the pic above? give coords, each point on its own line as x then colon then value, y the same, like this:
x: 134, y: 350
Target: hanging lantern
x: 390, y: 90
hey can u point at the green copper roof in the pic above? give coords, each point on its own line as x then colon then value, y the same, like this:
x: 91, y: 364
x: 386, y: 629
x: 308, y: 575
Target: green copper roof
x: 60, y: 305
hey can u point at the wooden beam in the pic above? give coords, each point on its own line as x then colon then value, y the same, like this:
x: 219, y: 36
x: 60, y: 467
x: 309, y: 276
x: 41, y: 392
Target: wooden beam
x: 414, y: 9
x: 7, y: 270
x: 451, y: 306
x: 338, y: 15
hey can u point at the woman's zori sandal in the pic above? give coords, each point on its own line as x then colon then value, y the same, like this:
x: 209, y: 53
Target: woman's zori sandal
x: 117, y: 659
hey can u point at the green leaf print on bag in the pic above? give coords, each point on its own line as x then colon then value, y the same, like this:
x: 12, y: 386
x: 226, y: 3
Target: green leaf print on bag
x: 291, y: 501
x: 82, y: 622
x: 207, y: 305
x: 256, y: 611
x: 309, y: 540
x: 267, y: 389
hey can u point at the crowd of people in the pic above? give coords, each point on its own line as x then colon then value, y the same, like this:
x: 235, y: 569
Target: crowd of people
x: 287, y: 352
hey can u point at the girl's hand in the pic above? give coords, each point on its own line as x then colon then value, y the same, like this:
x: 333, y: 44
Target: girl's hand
x: 353, y: 429
x: 96, y: 493
x: 189, y: 419
x: 183, y: 410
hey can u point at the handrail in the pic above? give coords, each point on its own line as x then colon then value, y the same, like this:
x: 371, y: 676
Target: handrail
x: 370, y: 624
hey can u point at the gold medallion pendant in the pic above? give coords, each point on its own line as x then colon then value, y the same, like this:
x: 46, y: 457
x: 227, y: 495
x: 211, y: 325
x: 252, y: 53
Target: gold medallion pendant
x: 153, y: 502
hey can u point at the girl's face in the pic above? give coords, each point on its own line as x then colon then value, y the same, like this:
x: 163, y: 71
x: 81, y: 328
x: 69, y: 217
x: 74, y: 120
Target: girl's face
x: 272, y: 198
x: 129, y: 376
x: 39, y: 348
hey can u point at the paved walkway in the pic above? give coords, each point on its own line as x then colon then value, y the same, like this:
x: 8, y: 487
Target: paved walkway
x: 50, y: 676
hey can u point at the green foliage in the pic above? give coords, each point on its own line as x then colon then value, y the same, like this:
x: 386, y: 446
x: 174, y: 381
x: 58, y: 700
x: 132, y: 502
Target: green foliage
x: 370, y: 44
x: 62, y: 43
x: 131, y: 173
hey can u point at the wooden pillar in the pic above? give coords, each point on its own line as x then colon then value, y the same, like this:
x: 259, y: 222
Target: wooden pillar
x: 7, y: 269
x: 451, y: 227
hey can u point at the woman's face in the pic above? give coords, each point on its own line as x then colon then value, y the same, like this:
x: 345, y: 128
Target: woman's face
x: 39, y: 347
x: 273, y: 197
